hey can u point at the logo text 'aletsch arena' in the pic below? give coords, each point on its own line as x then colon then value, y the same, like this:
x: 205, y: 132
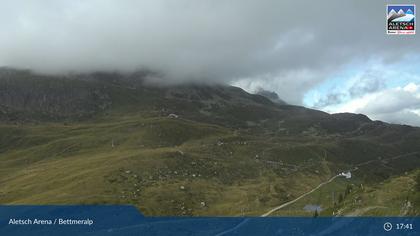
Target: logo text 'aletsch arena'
x: 401, y: 19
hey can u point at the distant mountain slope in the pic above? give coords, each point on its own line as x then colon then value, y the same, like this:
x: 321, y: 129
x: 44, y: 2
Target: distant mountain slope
x: 187, y: 149
x: 274, y: 97
x: 25, y: 96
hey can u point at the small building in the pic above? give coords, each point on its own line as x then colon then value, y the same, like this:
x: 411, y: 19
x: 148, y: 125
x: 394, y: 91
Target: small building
x: 173, y: 115
x: 346, y: 174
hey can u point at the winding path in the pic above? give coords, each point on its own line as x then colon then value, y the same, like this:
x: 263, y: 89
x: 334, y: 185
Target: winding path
x: 329, y: 181
x: 298, y: 198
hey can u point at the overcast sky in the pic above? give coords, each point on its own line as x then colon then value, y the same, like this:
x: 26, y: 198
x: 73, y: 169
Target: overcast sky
x: 330, y: 55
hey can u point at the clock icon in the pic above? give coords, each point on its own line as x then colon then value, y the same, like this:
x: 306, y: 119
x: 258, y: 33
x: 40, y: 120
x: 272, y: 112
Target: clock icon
x: 387, y: 226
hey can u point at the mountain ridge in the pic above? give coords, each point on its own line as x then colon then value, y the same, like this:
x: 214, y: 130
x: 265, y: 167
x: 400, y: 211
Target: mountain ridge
x: 190, y: 149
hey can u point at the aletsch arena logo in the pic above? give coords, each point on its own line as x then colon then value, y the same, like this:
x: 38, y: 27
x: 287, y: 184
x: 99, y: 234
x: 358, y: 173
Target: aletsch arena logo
x: 401, y: 19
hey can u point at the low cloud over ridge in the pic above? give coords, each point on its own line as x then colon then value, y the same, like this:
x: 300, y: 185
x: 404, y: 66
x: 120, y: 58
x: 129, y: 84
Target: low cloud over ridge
x: 284, y: 46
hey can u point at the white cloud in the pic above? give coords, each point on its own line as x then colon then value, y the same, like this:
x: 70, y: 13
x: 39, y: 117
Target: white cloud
x: 411, y: 87
x: 400, y: 105
x: 363, y: 82
x: 289, y: 85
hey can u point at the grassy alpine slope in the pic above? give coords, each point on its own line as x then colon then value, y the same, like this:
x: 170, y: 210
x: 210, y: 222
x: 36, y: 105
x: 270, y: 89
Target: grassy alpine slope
x: 111, y: 139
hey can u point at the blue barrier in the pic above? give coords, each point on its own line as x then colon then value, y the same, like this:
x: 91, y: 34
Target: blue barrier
x: 127, y: 220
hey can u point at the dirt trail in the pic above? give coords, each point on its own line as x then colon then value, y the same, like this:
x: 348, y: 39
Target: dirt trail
x: 297, y: 199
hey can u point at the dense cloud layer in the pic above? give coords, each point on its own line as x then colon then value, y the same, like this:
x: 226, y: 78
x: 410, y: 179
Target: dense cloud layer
x: 283, y: 46
x: 187, y: 39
